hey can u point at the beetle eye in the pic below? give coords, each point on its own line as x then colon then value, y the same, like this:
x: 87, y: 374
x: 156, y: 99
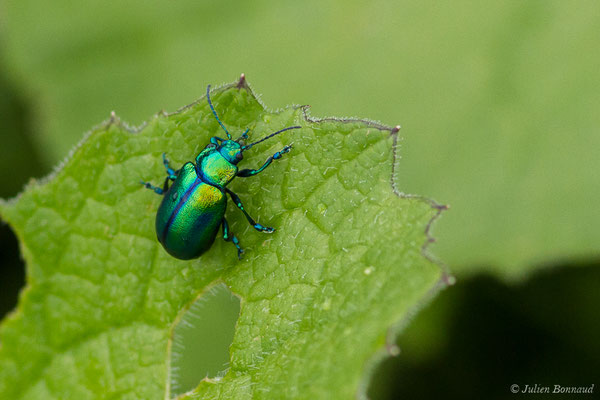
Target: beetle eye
x: 239, y: 156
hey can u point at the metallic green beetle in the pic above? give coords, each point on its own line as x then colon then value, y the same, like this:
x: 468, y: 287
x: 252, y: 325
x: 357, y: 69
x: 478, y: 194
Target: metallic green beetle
x: 193, y: 208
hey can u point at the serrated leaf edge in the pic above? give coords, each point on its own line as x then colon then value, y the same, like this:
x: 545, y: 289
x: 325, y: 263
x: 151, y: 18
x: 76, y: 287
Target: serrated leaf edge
x: 390, y: 349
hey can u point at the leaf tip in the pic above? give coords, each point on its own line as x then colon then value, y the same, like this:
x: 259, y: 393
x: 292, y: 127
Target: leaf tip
x: 112, y: 120
x: 242, y: 82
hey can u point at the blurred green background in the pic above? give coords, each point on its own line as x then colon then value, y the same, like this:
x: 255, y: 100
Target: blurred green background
x: 499, y: 107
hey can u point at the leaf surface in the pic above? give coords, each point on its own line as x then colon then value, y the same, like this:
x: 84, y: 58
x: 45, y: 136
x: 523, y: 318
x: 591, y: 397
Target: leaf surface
x: 320, y: 298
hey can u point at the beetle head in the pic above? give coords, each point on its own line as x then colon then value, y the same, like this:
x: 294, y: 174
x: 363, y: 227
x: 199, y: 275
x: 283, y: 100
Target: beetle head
x: 231, y: 150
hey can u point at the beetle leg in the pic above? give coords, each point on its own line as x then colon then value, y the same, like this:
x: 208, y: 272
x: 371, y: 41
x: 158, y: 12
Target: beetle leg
x: 215, y: 140
x: 166, y: 184
x: 156, y: 189
x: 171, y: 173
x: 252, y: 222
x: 251, y: 172
x: 230, y: 237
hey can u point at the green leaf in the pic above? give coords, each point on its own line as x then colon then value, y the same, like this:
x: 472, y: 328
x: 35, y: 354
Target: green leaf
x: 498, y: 101
x: 321, y: 297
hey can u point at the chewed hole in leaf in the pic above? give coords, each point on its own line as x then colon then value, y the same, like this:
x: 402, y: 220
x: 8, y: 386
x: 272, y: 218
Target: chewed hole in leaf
x: 202, y: 338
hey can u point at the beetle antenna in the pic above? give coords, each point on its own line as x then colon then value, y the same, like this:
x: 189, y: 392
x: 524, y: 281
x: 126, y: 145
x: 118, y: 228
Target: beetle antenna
x: 215, y: 113
x: 270, y: 136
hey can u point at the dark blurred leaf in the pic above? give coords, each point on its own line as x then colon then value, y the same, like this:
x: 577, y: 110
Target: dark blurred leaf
x: 489, y: 335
